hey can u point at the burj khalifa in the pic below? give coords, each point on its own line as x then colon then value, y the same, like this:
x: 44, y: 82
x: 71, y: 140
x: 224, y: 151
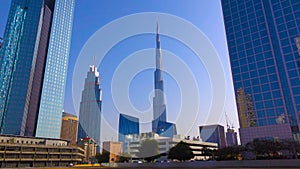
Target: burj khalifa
x: 159, y: 123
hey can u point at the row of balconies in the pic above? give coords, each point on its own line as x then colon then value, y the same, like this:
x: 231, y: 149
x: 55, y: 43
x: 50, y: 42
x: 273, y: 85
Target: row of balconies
x: 39, y: 155
x: 16, y: 158
x: 33, y: 152
x: 23, y: 164
x: 16, y: 148
x: 20, y: 153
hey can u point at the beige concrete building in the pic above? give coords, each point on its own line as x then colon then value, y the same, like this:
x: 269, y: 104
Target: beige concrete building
x: 114, y: 149
x: 19, y: 151
x: 69, y: 127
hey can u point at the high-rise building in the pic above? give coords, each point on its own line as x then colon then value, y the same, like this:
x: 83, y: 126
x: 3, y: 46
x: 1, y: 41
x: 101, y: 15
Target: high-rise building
x: 231, y: 137
x: 159, y: 123
x: 214, y: 134
x: 127, y: 125
x: 90, y: 107
x: 0, y: 42
x: 263, y: 43
x: 33, y: 67
x: 69, y: 127
x: 54, y: 81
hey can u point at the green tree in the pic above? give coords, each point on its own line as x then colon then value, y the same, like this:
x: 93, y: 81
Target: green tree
x: 125, y: 157
x: 149, y: 150
x: 230, y: 152
x: 206, y: 152
x: 181, y: 152
x: 210, y: 153
x: 265, y: 149
x: 292, y: 146
x: 102, y: 158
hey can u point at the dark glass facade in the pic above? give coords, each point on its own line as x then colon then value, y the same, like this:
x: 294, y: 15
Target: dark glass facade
x: 166, y: 129
x: 33, y: 108
x: 262, y: 39
x: 214, y: 134
x: 23, y: 33
x: 127, y: 125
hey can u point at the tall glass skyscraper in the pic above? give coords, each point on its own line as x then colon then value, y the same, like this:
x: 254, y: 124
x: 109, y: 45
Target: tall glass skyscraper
x: 263, y: 43
x: 52, y: 98
x: 90, y: 107
x: 27, y: 59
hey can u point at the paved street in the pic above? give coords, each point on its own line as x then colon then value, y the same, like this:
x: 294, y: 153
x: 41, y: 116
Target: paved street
x: 251, y: 164
x: 171, y: 167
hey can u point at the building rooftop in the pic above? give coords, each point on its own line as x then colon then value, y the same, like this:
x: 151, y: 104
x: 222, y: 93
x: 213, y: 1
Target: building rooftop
x: 65, y: 114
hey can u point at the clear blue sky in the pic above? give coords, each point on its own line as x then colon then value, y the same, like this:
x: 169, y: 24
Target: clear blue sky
x: 92, y: 15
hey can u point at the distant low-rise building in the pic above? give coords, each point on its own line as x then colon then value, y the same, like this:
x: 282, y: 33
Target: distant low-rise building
x: 231, y: 137
x: 134, y: 142
x: 114, y: 149
x: 20, y: 151
x: 89, y: 146
x: 69, y: 127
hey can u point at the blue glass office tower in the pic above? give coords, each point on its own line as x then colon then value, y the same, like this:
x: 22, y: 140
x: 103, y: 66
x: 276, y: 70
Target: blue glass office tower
x: 127, y: 125
x: 52, y: 98
x: 263, y: 43
x: 159, y: 123
x: 25, y: 53
x: 90, y: 107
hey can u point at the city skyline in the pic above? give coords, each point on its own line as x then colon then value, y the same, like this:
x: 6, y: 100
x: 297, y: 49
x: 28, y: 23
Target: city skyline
x: 170, y: 83
x: 139, y: 99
